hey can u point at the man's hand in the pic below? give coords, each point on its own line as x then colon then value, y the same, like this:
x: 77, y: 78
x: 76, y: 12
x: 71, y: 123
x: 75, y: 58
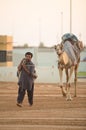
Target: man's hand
x: 25, y: 68
x: 23, y: 61
x: 20, y: 65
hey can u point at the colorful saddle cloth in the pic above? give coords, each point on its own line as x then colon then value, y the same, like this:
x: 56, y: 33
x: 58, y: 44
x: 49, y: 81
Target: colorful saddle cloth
x: 71, y: 36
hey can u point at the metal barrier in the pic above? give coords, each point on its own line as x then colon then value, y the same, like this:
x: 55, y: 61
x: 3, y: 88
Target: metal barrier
x: 45, y: 74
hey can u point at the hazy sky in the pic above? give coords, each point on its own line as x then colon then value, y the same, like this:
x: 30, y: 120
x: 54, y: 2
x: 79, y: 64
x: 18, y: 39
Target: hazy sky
x: 35, y: 21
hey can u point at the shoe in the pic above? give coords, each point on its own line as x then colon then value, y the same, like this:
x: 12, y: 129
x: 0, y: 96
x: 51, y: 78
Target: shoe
x: 19, y: 104
x: 30, y: 104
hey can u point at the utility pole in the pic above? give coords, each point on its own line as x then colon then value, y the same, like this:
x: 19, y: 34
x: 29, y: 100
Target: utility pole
x: 70, y: 16
x: 39, y: 30
x: 61, y: 23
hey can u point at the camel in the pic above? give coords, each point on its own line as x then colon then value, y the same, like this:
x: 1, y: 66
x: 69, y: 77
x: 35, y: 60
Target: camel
x: 64, y: 62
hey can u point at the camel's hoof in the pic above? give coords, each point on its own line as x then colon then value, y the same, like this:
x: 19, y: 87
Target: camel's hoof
x: 69, y: 99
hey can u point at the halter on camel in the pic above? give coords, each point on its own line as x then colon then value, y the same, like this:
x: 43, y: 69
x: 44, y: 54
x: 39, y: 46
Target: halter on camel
x: 65, y: 61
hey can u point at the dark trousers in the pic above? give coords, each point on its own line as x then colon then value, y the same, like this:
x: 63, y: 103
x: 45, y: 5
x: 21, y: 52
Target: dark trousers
x: 21, y: 95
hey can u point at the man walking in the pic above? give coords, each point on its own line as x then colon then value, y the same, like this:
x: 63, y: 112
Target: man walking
x: 26, y: 70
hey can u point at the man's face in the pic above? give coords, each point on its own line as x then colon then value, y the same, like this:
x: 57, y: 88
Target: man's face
x: 28, y: 57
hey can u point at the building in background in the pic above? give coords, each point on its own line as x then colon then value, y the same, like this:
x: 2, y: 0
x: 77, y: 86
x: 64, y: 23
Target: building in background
x: 6, y: 48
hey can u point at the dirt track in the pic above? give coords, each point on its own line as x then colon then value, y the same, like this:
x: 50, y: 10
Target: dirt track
x: 50, y: 110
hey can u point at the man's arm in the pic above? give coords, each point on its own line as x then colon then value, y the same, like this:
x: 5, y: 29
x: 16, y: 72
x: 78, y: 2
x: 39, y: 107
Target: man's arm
x: 20, y: 65
x: 24, y: 67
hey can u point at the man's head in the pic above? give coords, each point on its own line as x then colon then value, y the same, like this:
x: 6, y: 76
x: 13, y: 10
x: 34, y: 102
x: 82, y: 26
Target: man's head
x: 28, y: 56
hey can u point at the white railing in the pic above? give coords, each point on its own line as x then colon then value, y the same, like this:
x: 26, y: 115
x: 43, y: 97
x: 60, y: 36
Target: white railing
x: 45, y: 74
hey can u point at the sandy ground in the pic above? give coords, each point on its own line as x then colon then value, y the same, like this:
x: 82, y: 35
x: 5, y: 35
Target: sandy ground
x: 50, y: 110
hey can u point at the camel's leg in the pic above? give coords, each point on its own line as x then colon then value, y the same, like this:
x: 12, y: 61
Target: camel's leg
x: 67, y: 77
x: 68, y: 93
x: 61, y: 76
x: 68, y: 83
x: 75, y: 80
x: 61, y: 82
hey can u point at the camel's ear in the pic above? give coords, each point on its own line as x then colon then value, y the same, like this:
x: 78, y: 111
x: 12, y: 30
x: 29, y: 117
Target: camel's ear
x: 61, y: 46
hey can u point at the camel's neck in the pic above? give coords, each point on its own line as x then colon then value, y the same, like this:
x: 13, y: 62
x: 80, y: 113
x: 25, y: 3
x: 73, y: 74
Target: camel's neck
x: 64, y: 59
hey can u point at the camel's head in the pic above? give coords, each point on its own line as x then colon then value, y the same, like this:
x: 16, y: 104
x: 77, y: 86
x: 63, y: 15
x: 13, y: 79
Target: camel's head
x: 58, y: 49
